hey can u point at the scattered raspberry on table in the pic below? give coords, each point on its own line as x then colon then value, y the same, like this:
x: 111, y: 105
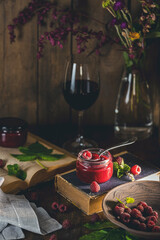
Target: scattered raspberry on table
x: 135, y: 170
x: 95, y: 187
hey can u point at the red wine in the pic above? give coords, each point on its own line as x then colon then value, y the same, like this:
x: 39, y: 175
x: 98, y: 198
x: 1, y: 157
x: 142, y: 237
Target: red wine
x: 80, y: 94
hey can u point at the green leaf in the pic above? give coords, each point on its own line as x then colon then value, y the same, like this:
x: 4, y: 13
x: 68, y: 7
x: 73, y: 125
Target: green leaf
x: 120, y: 173
x: 119, y: 200
x: 129, y: 200
x: 51, y: 157
x: 129, y: 236
x: 14, y: 170
x: 126, y: 168
x: 153, y: 35
x: 116, y: 234
x: 127, y: 60
x: 96, y: 235
x: 99, y: 225
x: 39, y: 148
x: 23, y: 157
x: 38, y: 152
x: 115, y: 166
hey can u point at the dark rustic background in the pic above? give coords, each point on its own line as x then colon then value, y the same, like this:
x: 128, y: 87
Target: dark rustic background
x: 31, y: 88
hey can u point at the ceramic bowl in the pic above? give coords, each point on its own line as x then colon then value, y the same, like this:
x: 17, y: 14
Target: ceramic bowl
x: 147, y: 191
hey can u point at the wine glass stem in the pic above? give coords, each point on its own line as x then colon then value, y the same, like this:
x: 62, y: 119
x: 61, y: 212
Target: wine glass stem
x: 80, y: 120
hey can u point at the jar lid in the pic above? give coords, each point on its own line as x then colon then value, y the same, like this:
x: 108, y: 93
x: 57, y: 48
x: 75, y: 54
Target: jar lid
x: 8, y: 124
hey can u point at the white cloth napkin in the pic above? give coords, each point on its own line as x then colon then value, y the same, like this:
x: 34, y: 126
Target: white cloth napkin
x: 17, y: 212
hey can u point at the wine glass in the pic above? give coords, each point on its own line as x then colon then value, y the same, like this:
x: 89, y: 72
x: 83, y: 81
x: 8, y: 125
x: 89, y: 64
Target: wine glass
x: 80, y: 89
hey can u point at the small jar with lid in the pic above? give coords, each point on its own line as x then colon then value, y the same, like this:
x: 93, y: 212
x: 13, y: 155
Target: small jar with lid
x: 13, y: 132
x: 92, y: 166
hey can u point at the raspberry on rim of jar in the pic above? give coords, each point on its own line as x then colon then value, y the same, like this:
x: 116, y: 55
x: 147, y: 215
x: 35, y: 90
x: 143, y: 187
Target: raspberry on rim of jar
x: 92, y: 155
x: 92, y: 166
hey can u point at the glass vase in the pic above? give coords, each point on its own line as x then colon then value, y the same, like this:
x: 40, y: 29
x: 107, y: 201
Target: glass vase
x: 133, y: 111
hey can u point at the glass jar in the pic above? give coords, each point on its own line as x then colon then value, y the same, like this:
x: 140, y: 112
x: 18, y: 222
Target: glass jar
x: 99, y: 170
x: 13, y: 132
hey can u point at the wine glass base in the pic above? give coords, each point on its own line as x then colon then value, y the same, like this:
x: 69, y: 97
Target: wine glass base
x: 78, y: 144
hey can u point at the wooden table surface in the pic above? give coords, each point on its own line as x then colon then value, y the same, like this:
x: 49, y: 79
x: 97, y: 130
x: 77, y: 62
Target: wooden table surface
x: 147, y: 149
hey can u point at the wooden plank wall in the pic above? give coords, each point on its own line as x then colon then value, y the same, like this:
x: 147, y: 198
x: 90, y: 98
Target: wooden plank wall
x: 18, y: 87
x: 32, y: 89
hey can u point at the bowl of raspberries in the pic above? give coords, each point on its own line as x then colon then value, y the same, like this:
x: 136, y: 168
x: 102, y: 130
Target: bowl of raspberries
x: 135, y: 207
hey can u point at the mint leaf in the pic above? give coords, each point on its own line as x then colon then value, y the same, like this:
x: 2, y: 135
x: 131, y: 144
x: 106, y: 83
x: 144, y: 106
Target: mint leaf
x: 116, y: 234
x: 96, y: 235
x: 119, y: 200
x: 39, y: 148
x: 14, y: 170
x: 99, y: 225
x: 37, y: 151
x: 121, y: 169
x: 115, y: 166
x: 126, y: 168
x: 129, y: 236
x: 129, y: 200
x: 23, y: 157
x: 120, y: 172
x: 51, y: 157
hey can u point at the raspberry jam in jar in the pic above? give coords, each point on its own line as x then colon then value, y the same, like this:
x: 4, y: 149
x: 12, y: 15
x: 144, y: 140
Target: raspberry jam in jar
x: 13, y: 132
x: 92, y: 166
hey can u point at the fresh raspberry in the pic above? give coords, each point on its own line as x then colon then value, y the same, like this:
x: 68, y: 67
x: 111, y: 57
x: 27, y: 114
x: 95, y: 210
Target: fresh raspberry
x: 33, y: 196
x: 134, y: 223
x: 135, y: 170
x: 144, y: 204
x: 150, y: 224
x: 87, y: 155
x: 136, y: 213
x: 94, y: 187
x: 62, y: 208
x: 95, y: 217
x: 120, y: 205
x: 140, y: 208
x: 66, y: 224
x: 53, y: 237
x: 1, y: 163
x: 95, y: 156
x: 119, y: 160
x: 118, y: 210
x: 104, y: 157
x: 125, y: 217
x: 152, y: 218
x: 155, y: 214
x: 128, y: 210
x: 55, y: 206
x: 156, y: 229
x: 142, y: 227
x: 148, y: 210
x: 142, y: 219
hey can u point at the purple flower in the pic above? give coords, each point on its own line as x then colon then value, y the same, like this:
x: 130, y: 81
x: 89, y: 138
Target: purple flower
x: 118, y: 5
x: 10, y: 27
x: 114, y: 22
x: 131, y: 56
x: 123, y: 25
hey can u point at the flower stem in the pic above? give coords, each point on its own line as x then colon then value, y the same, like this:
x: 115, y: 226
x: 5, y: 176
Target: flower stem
x: 127, y: 38
x: 110, y: 11
x: 125, y: 16
x: 130, y: 175
x: 120, y: 36
x: 40, y: 164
